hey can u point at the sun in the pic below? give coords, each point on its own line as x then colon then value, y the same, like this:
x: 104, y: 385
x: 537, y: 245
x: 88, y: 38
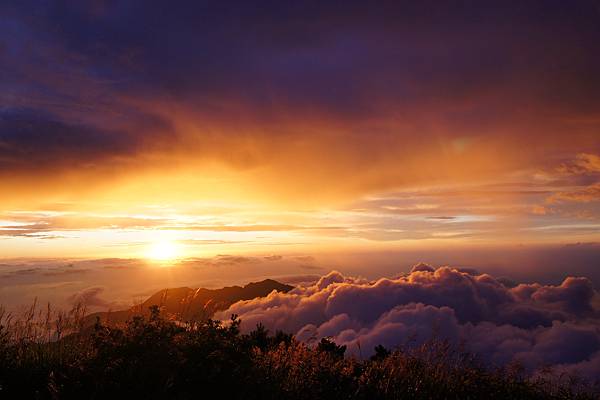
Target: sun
x: 163, y: 250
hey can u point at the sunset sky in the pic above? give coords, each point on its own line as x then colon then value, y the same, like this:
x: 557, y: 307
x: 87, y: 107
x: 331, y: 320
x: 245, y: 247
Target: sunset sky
x: 130, y: 129
x: 412, y: 170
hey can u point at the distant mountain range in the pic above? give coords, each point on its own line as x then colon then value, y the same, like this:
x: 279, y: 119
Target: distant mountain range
x: 187, y: 304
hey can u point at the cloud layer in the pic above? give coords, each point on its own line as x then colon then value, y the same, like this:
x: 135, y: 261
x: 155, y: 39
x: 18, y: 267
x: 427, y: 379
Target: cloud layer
x: 429, y: 89
x: 537, y: 325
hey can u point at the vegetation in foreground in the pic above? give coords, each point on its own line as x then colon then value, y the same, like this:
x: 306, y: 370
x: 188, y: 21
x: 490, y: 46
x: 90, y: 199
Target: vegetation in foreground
x: 153, y: 358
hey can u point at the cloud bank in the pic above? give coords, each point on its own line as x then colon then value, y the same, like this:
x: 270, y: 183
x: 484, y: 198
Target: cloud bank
x: 536, y: 325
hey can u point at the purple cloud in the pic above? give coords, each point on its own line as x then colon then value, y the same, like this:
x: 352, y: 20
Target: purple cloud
x: 536, y: 325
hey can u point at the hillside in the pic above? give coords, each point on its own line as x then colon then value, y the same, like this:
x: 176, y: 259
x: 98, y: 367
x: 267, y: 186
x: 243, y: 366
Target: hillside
x: 188, y: 304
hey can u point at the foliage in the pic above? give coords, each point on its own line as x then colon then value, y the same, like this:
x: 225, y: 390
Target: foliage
x: 153, y: 358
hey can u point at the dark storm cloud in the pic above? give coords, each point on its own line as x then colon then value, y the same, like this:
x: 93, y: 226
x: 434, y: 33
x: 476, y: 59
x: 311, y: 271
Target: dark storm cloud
x: 30, y: 139
x: 295, y: 49
x: 271, y: 58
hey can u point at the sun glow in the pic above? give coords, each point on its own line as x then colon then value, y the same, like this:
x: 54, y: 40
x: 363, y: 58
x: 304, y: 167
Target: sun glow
x: 163, y: 250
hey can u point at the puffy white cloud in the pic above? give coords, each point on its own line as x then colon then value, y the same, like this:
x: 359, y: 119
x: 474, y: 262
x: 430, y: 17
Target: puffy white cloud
x: 537, y: 325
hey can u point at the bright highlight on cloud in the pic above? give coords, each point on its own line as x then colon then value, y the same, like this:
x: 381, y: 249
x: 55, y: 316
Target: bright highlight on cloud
x: 536, y: 325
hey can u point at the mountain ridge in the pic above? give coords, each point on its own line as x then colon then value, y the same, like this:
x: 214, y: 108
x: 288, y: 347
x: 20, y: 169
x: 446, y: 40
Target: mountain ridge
x: 189, y: 304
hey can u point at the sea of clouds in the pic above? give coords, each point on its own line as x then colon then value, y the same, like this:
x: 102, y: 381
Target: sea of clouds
x: 539, y: 326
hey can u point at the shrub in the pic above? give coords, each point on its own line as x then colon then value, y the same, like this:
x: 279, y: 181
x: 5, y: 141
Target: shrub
x: 151, y: 357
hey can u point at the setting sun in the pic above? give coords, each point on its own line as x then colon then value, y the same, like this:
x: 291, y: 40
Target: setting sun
x: 163, y: 250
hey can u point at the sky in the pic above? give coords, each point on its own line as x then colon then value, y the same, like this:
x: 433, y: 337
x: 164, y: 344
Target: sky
x: 405, y: 165
x: 131, y: 129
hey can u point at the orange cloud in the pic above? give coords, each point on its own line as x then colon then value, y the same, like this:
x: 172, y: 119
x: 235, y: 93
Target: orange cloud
x: 585, y: 195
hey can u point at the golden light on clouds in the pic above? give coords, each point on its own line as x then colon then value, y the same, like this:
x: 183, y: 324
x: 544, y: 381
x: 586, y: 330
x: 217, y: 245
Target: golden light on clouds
x: 375, y: 138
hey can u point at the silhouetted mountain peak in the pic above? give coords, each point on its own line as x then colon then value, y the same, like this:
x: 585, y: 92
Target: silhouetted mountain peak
x: 188, y: 304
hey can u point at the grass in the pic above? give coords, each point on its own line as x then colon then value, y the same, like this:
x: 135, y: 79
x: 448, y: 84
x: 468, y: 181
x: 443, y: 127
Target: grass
x: 46, y: 354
